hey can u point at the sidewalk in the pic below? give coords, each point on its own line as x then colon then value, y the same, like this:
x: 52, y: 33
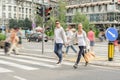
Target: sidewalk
x: 99, y: 60
x: 101, y: 51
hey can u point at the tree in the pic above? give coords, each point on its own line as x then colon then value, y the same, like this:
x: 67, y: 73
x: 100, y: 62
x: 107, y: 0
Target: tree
x: 12, y: 23
x: 39, y: 20
x: 81, y: 18
x: 20, y: 23
x: 27, y: 24
x: 61, y: 12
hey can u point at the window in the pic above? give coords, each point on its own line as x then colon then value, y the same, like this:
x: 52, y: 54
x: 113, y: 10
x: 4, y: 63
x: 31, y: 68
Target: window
x: 19, y: 9
x: 105, y: 7
x: 22, y: 10
x: 9, y: 8
x: 92, y: 8
x: 15, y: 16
x: 9, y: 15
x: 4, y: 7
x: 4, y: 15
x: 22, y: 16
x: 87, y: 9
x: 100, y: 7
x: 26, y: 10
x: 15, y: 8
x: 30, y: 11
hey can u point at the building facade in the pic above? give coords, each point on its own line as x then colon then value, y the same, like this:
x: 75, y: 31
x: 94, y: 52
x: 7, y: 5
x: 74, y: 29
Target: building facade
x: 101, y: 13
x: 9, y: 9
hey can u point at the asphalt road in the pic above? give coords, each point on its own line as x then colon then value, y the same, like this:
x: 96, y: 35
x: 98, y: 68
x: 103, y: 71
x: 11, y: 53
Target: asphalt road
x: 31, y: 64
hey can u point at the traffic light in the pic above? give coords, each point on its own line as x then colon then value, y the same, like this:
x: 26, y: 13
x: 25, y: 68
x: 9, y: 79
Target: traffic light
x: 47, y: 13
x: 39, y: 11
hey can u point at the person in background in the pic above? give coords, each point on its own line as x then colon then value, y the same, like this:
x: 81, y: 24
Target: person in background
x: 19, y: 34
x: 69, y: 40
x: 14, y: 41
x: 59, y: 38
x: 82, y: 44
x: 91, y: 37
x: 118, y: 40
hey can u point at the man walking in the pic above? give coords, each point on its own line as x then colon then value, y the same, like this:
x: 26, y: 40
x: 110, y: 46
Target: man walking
x: 59, y: 38
x: 69, y: 40
x: 91, y: 37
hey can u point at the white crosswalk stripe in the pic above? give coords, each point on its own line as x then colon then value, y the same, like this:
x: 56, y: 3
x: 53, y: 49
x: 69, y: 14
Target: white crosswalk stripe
x: 16, y: 65
x: 27, y: 62
x: 3, y: 70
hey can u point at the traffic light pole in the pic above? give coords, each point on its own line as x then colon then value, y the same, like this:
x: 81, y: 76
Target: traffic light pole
x: 43, y: 28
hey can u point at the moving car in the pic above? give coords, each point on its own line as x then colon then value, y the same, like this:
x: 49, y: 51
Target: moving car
x: 37, y: 37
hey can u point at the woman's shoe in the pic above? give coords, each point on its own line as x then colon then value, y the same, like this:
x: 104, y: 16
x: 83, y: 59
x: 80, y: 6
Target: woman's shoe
x: 86, y: 63
x: 75, y: 66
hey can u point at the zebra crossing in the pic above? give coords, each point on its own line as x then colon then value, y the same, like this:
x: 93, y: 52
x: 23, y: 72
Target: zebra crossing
x: 27, y: 62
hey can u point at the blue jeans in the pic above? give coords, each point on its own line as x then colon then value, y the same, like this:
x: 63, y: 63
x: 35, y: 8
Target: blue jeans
x: 58, y: 50
x: 71, y: 48
x: 81, y: 52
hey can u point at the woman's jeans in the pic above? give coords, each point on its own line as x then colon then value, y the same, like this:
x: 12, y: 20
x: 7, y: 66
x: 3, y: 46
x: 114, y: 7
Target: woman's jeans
x: 71, y: 48
x: 81, y: 52
x: 58, y: 50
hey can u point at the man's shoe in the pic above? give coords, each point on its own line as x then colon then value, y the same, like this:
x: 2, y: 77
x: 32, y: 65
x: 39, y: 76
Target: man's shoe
x: 75, y: 66
x: 58, y: 63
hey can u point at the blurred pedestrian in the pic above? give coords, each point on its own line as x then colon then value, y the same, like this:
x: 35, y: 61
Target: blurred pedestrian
x: 82, y: 44
x: 7, y: 41
x: 69, y: 40
x: 100, y: 36
x: 59, y: 38
x: 14, y: 41
x: 19, y: 34
x: 91, y: 37
x: 118, y: 40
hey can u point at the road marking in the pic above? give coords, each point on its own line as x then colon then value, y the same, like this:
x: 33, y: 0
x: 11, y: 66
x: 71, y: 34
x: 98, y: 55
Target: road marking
x: 3, y: 70
x: 46, y: 50
x: 42, y: 59
x: 19, y: 78
x: 29, y: 62
x: 33, y: 49
x: 113, y: 35
x: 17, y: 65
x: 112, y: 69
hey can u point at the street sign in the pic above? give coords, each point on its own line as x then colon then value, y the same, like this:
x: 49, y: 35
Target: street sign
x: 111, y: 34
x: 33, y: 25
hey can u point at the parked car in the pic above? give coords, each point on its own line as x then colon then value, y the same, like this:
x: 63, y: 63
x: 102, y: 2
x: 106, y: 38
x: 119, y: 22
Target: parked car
x: 37, y: 37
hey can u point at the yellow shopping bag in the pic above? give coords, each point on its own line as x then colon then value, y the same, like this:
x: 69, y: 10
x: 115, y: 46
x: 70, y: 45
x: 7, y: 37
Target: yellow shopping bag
x: 88, y: 56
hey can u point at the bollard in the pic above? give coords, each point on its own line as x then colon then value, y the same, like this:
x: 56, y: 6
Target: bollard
x: 110, y: 51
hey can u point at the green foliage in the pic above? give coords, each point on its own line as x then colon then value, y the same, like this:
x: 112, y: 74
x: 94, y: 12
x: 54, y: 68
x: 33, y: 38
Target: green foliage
x: 61, y: 12
x: 2, y: 36
x: 12, y: 23
x: 96, y: 31
x: 20, y: 23
x: 39, y: 20
x: 26, y: 24
x: 81, y: 18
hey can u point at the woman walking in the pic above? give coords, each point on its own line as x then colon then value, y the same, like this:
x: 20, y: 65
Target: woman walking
x: 14, y: 41
x: 82, y: 44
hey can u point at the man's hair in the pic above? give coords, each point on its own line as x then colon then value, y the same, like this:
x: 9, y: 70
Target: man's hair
x: 57, y: 21
x: 90, y: 28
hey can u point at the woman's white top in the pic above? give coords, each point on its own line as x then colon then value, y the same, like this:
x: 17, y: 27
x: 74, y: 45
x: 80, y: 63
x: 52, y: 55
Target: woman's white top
x: 81, y: 39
